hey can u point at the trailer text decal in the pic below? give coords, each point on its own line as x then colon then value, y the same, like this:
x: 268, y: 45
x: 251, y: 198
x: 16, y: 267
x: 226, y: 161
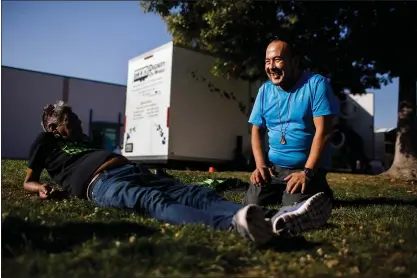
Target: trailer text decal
x: 149, y: 70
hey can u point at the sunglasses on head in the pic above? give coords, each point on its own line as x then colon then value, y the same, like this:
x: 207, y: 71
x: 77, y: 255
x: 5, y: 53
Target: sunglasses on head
x: 46, y: 113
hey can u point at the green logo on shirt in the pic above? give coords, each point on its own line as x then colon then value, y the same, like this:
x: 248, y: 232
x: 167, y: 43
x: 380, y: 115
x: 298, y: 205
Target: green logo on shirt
x: 73, y: 148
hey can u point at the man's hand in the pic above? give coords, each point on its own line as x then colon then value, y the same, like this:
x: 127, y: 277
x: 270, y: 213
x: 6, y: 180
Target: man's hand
x: 295, y: 181
x: 261, y: 176
x: 45, y: 190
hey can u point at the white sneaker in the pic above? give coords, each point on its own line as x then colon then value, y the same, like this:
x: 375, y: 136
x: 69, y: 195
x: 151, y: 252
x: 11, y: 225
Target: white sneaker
x: 312, y: 213
x: 250, y: 223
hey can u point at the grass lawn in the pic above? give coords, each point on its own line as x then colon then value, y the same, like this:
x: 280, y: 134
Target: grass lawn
x: 372, y: 232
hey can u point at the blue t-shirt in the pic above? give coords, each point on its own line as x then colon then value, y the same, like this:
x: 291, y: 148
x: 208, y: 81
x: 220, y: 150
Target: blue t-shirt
x: 311, y: 97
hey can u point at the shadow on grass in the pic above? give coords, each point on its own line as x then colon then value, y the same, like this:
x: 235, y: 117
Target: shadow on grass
x: 358, y: 202
x: 290, y: 244
x: 34, y: 240
x: 18, y: 234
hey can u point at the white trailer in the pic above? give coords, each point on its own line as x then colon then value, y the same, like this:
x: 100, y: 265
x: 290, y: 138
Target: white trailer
x: 176, y: 110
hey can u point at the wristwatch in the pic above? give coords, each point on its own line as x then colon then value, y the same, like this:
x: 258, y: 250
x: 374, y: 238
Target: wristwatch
x: 309, y: 173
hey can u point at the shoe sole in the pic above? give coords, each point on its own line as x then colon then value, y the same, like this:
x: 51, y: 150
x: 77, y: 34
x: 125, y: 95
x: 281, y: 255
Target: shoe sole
x: 313, y: 213
x: 252, y: 219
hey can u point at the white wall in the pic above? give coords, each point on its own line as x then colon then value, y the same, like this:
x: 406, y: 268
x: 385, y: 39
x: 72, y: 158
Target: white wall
x: 23, y: 95
x: 363, y: 120
x: 204, y: 124
x: 106, y: 100
x: 381, y: 141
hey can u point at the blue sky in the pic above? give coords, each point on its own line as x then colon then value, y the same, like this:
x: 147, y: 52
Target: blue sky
x: 95, y: 40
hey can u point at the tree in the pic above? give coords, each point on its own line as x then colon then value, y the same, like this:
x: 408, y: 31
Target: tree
x: 384, y: 35
x: 359, y: 45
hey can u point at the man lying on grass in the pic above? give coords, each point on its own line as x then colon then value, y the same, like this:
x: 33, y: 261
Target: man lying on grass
x: 111, y: 180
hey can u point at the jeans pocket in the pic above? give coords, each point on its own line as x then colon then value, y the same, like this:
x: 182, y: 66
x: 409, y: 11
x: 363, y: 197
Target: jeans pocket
x: 100, y: 188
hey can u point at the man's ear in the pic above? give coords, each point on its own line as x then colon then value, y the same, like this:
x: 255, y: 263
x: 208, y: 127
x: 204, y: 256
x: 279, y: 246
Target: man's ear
x: 295, y: 61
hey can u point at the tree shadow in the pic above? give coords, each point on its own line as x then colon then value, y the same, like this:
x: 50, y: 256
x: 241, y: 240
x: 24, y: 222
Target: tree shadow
x: 330, y: 226
x: 289, y: 243
x: 358, y: 202
x: 20, y: 237
x: 232, y: 185
x: 18, y: 234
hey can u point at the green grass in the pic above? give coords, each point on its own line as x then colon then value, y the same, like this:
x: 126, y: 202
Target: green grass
x: 372, y: 232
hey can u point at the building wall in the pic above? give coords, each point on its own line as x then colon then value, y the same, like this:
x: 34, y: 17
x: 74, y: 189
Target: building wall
x: 25, y: 93
x: 363, y: 120
x: 384, y: 142
x: 106, y: 101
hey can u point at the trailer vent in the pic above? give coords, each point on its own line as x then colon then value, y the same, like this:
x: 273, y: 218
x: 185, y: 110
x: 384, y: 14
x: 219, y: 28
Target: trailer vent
x: 168, y: 117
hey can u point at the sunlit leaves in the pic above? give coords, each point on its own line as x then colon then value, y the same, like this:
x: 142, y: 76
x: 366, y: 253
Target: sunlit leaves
x: 333, y: 36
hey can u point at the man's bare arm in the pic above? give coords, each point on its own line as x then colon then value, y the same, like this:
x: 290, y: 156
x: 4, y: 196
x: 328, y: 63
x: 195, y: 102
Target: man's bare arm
x: 256, y: 141
x: 31, y: 182
x: 324, y: 127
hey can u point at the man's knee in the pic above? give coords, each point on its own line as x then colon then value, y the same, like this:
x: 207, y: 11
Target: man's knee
x: 263, y: 196
x: 200, y: 192
x: 252, y: 195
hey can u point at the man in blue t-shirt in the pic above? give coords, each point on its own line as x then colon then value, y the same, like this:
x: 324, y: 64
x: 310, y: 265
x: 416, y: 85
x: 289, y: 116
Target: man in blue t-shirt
x: 297, y: 108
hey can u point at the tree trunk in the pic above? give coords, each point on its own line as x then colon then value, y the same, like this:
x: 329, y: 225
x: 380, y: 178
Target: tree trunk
x: 404, y: 166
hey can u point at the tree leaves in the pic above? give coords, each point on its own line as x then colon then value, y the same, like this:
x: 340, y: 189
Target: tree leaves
x: 358, y: 44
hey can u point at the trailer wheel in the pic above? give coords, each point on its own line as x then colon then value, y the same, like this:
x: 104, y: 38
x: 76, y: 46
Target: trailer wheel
x: 339, y: 142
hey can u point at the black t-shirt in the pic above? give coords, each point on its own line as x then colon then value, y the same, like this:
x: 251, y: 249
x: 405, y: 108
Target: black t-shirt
x: 70, y: 164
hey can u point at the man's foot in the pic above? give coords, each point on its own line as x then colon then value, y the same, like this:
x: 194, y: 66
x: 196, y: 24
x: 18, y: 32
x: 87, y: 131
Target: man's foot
x: 250, y: 223
x: 312, y: 213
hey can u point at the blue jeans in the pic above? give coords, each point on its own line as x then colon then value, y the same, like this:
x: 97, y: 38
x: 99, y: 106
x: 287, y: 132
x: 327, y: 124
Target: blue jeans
x: 134, y: 187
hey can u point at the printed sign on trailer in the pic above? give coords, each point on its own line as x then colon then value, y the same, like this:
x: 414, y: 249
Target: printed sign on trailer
x: 147, y: 102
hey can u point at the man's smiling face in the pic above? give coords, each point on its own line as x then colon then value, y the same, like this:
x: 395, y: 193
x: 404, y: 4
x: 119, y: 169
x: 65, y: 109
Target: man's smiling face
x: 279, y: 63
